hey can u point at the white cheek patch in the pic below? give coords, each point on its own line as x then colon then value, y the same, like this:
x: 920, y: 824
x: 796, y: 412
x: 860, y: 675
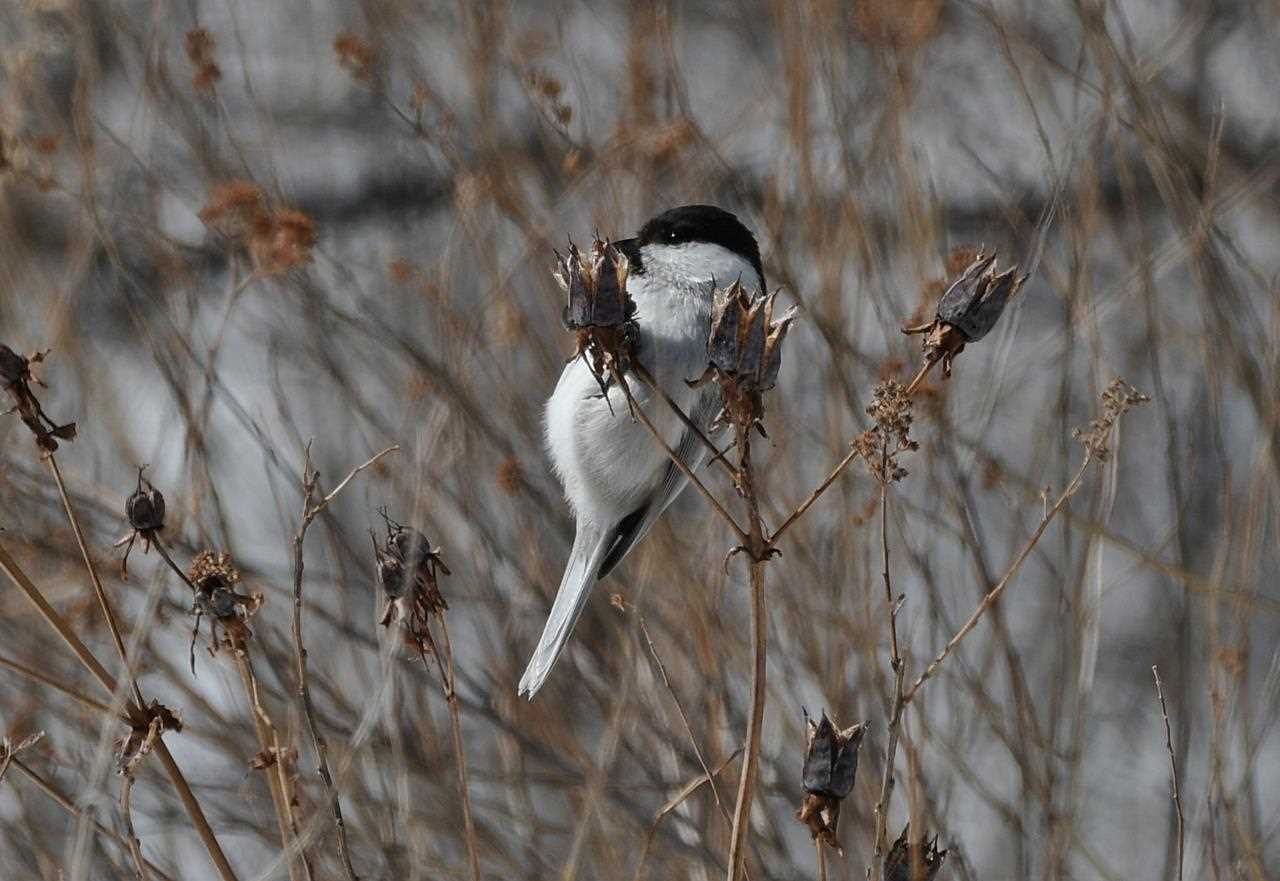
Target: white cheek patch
x: 698, y: 262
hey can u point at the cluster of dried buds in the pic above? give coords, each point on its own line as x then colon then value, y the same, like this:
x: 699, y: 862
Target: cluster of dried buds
x: 407, y: 570
x: 1117, y: 399
x: 599, y: 310
x: 879, y: 447
x: 16, y: 377
x: 146, y: 725
x: 830, y: 766
x: 744, y: 352
x: 214, y: 579
x: 277, y: 239
x: 144, y: 510
x: 913, y: 861
x: 968, y: 309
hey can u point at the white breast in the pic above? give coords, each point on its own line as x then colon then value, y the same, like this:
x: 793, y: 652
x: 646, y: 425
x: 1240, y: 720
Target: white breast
x: 607, y: 463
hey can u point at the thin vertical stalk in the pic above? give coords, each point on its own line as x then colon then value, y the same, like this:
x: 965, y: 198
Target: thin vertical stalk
x: 459, y: 757
x: 1173, y: 764
x: 757, y: 548
x: 896, y: 663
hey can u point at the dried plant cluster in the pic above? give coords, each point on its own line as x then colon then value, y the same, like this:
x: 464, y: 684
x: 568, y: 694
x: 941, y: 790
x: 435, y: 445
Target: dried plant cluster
x: 599, y: 310
x: 408, y: 569
x: 383, y: 186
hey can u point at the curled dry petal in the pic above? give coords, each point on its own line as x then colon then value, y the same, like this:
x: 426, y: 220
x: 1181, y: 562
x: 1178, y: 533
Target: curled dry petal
x: 745, y: 342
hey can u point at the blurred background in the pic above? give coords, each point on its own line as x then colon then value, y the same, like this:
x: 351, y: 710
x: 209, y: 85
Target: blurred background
x: 244, y: 226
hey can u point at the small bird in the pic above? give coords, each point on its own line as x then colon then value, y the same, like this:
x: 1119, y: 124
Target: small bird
x: 616, y: 477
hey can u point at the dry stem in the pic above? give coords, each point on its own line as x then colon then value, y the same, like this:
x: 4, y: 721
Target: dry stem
x: 899, y: 670
x: 310, y: 481
x: 758, y: 550
x: 1173, y: 764
x: 459, y: 757
x: 994, y: 594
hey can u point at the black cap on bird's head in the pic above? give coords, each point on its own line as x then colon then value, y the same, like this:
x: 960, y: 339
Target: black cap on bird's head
x: 702, y: 223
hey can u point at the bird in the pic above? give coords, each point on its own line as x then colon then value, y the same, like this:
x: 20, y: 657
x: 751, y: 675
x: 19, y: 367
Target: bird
x: 617, y: 479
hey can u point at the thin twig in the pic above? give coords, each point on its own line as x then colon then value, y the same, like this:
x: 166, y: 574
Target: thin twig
x: 994, y: 594
x: 822, y: 859
x: 679, y: 463
x: 674, y: 802
x: 269, y: 744
x: 131, y: 837
x: 898, y: 667
x: 60, y: 626
x: 758, y: 550
x: 813, y: 496
x: 107, y: 612
x: 70, y: 807
x: 1173, y: 764
x: 75, y: 694
x: 310, y: 480
x: 447, y: 683
x: 717, y: 455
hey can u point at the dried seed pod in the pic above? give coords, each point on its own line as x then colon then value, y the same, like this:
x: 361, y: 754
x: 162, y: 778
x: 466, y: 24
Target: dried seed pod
x: 913, y: 861
x: 144, y: 509
x: 966, y: 312
x: 744, y: 350
x: 598, y: 308
x: 214, y: 579
x: 16, y: 376
x: 830, y: 766
x: 407, y: 568
x: 146, y: 725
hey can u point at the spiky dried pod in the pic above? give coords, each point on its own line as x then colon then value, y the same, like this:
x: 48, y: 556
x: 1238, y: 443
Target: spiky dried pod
x: 16, y: 376
x: 744, y: 351
x: 598, y: 308
x: 830, y: 767
x: 913, y: 861
x: 968, y: 309
x: 408, y: 569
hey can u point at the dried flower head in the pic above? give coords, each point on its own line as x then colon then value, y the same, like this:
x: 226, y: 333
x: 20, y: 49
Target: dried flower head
x: 913, y: 861
x: 200, y: 45
x: 356, y: 55
x: 277, y: 240
x: 144, y: 509
x: 967, y: 310
x: 214, y: 579
x: 1117, y: 399
x: 146, y: 725
x: 406, y: 566
x: 16, y: 379
x: 830, y: 766
x: 880, y: 447
x: 744, y: 351
x: 598, y: 309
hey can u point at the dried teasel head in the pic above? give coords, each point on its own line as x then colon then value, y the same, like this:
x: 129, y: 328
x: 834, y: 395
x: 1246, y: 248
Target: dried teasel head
x: 408, y: 570
x: 598, y: 308
x: 16, y: 378
x: 830, y: 766
x: 744, y: 351
x: 913, y: 861
x: 968, y: 309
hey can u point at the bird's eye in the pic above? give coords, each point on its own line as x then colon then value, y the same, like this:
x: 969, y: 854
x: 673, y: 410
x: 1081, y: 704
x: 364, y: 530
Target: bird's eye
x: 671, y: 236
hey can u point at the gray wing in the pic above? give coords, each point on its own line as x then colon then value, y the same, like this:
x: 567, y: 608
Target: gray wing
x: 693, y: 452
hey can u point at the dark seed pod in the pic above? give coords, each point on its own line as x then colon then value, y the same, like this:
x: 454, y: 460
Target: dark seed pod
x: 13, y: 367
x: 976, y: 299
x: 145, y: 508
x: 831, y: 762
x: 919, y: 861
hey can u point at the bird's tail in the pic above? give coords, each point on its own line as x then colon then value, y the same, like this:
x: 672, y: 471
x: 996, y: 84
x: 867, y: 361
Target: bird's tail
x: 590, y: 546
